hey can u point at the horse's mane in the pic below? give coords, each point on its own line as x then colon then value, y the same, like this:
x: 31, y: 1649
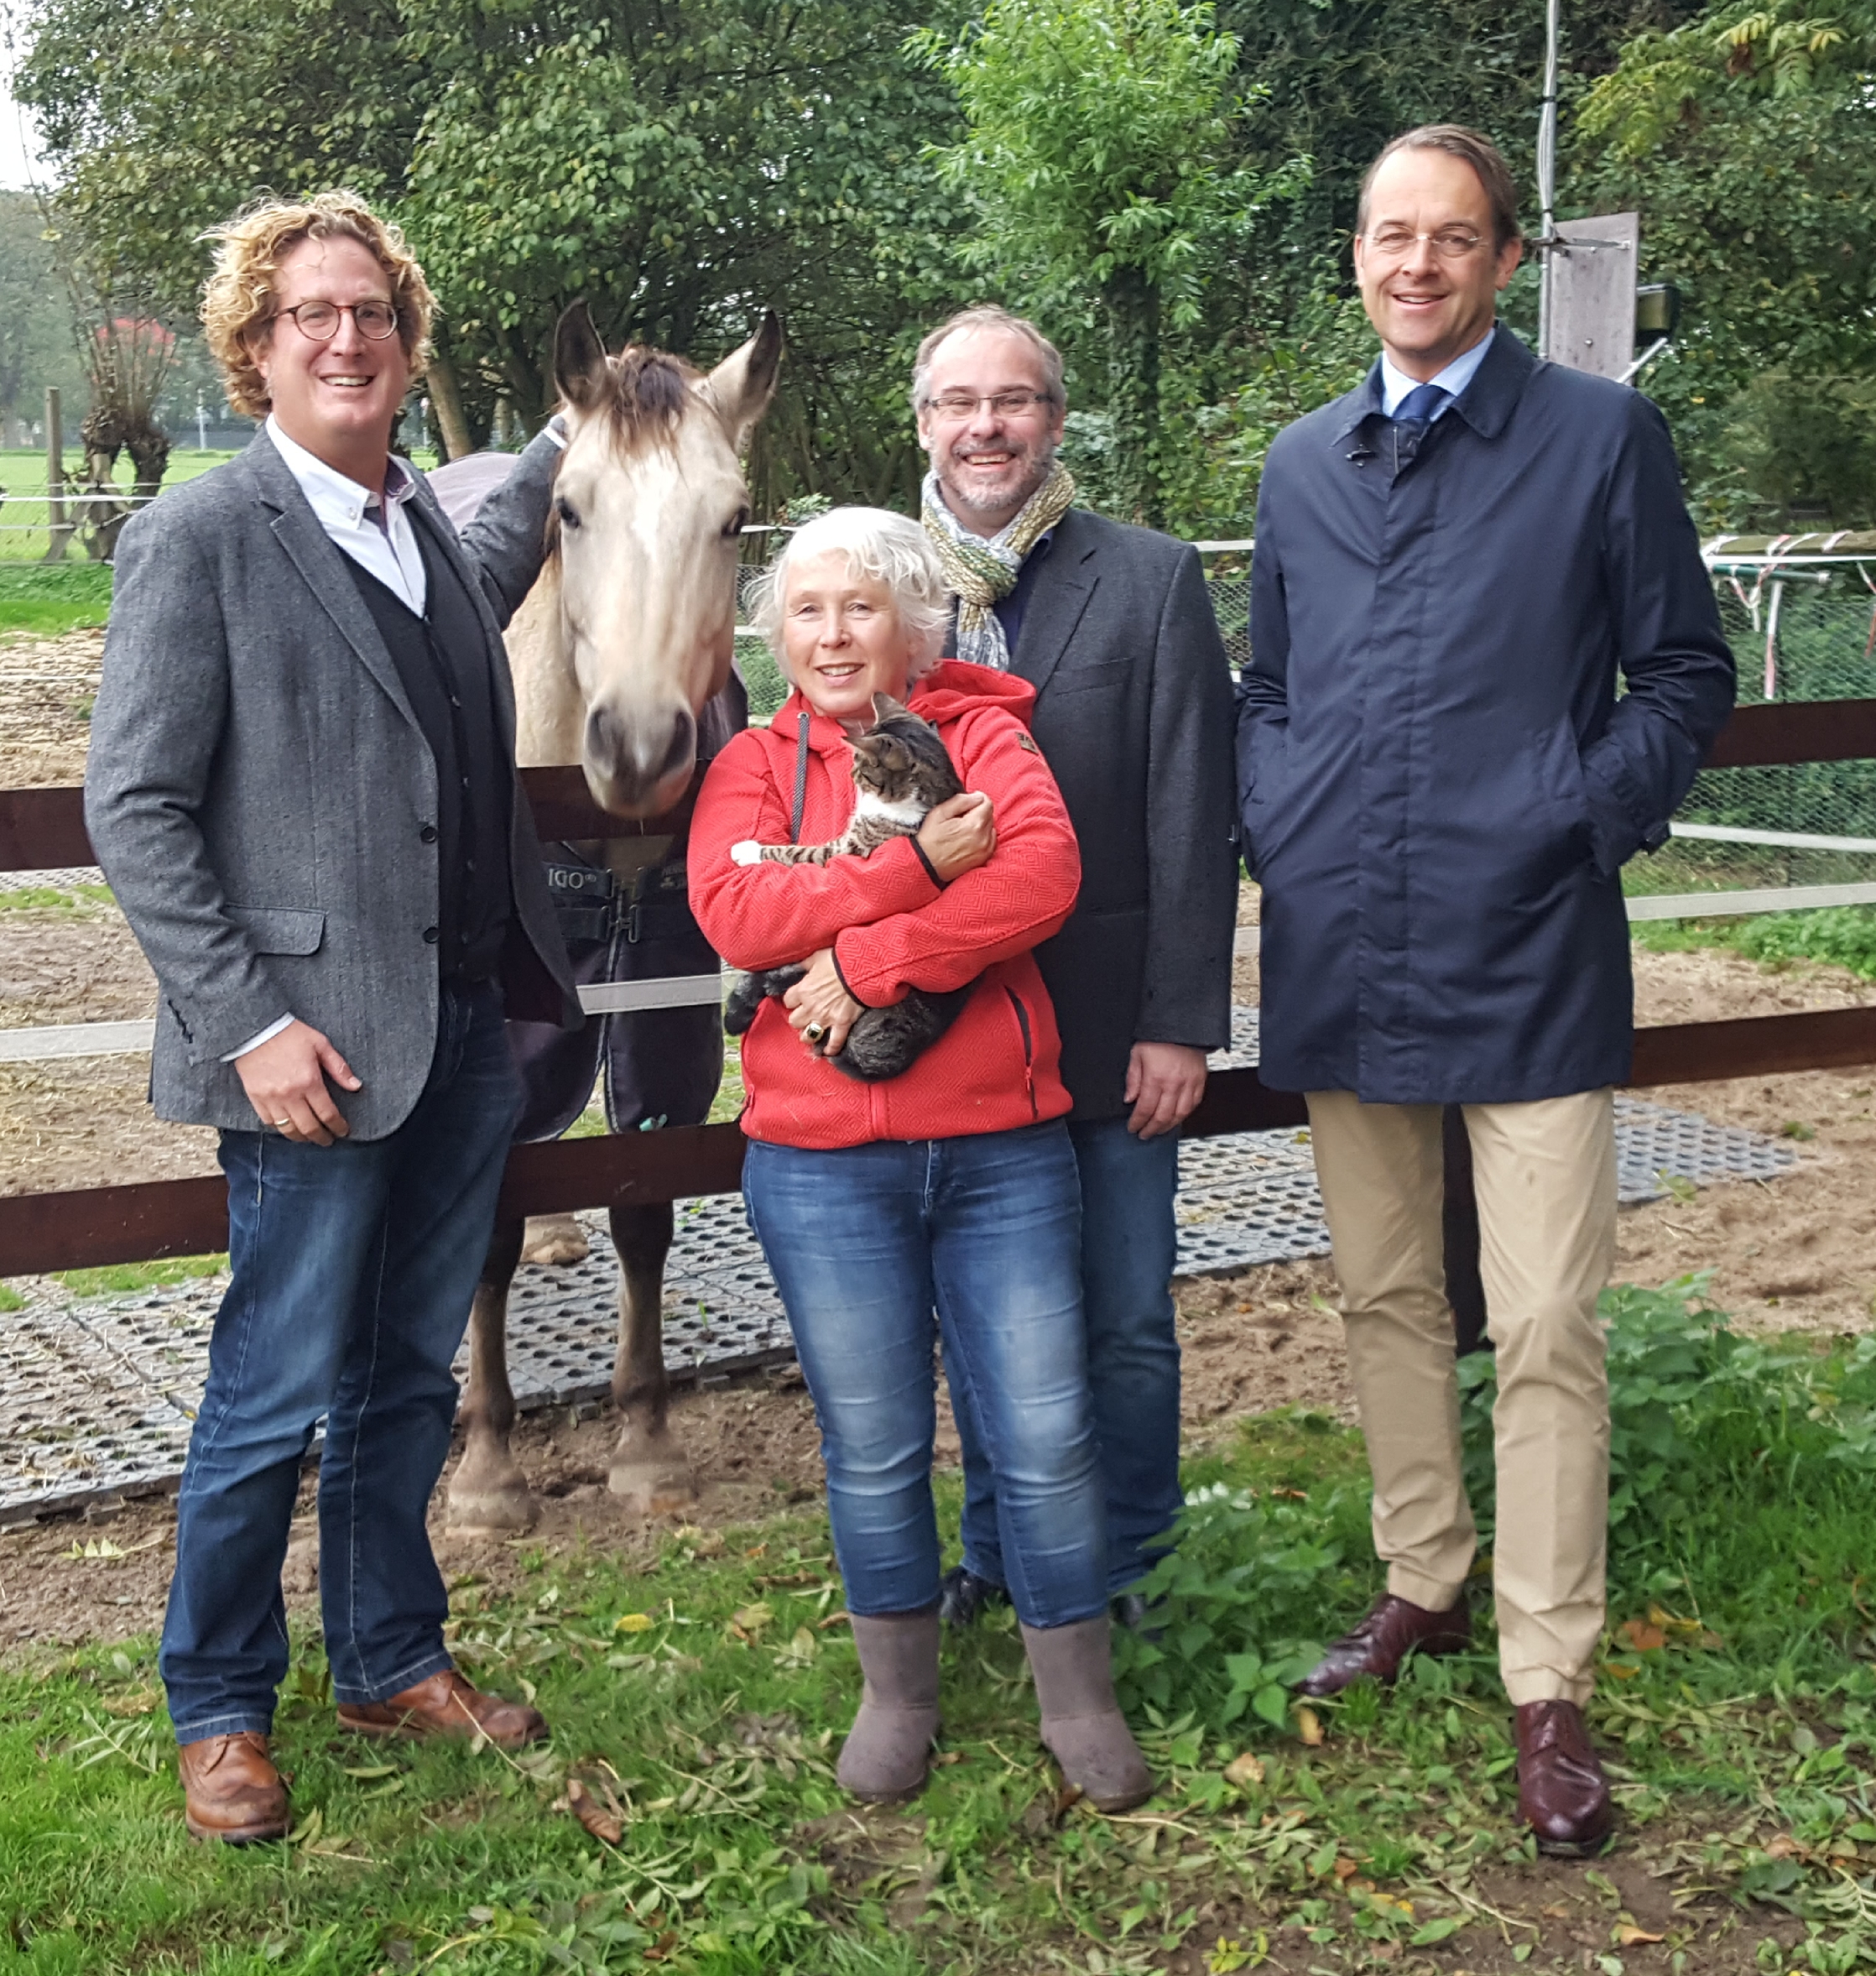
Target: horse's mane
x: 650, y: 390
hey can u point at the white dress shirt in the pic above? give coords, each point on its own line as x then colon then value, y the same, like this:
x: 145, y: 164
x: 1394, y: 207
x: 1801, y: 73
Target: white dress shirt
x: 374, y: 529
x: 371, y: 527
x: 1395, y: 385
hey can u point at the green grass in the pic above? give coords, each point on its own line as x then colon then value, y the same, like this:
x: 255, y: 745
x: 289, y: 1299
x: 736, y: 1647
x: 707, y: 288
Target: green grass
x: 1843, y: 934
x: 702, y: 1699
x: 20, y: 469
x: 121, y: 1279
x: 70, y: 898
x: 49, y: 598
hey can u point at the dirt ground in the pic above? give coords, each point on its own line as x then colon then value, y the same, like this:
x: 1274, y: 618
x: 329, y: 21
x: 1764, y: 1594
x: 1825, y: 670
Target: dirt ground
x: 46, y: 689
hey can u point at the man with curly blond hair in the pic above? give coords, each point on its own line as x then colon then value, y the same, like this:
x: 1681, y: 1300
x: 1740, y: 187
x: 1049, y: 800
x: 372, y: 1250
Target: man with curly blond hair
x: 302, y: 788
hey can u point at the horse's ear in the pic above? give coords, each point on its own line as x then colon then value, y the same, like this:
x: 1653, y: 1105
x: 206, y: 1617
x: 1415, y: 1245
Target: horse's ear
x: 579, y: 369
x: 742, y: 385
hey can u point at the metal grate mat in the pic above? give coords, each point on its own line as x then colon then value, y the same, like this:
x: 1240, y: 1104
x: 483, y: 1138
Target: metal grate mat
x: 97, y: 1397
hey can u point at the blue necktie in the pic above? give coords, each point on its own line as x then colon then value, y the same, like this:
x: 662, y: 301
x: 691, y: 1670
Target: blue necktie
x: 1412, y: 416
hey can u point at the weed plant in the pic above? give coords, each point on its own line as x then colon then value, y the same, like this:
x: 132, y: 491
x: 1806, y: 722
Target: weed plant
x: 697, y: 1704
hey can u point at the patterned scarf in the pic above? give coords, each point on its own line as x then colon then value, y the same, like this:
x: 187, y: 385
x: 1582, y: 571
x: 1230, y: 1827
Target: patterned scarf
x: 982, y: 572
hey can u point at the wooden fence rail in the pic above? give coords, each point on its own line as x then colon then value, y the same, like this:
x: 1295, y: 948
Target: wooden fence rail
x: 43, y: 829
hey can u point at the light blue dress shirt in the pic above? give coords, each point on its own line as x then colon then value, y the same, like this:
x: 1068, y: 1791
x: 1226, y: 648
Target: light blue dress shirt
x: 1455, y: 378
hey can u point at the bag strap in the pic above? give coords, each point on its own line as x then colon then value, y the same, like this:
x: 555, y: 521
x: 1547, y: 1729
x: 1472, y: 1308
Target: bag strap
x: 800, y: 778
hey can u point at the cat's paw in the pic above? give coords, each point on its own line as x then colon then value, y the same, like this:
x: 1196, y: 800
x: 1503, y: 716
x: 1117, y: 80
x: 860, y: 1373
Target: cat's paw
x: 748, y: 852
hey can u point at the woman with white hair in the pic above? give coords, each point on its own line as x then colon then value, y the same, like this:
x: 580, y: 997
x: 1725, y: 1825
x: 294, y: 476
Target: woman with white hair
x: 947, y: 1193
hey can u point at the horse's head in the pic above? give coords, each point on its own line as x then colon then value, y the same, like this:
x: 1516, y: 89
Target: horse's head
x: 648, y: 508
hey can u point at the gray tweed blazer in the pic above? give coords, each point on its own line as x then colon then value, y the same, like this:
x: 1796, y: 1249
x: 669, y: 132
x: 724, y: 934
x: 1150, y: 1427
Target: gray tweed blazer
x: 258, y: 790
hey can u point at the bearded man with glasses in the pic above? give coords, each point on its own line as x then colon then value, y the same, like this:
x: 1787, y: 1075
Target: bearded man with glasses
x: 1112, y: 625
x: 302, y: 788
x: 1440, y: 787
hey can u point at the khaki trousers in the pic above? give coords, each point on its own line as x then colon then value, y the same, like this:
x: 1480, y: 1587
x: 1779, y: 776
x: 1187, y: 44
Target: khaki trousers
x: 1545, y: 1176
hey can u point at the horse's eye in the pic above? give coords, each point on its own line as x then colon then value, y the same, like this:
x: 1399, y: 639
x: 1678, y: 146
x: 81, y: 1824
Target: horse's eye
x: 736, y: 524
x: 569, y: 515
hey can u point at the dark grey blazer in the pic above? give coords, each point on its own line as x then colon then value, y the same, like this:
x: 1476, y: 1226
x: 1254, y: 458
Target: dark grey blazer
x: 1133, y: 714
x: 260, y: 795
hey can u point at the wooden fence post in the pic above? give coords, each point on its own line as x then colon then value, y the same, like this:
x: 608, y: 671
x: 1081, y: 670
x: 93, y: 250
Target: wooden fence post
x: 60, y: 528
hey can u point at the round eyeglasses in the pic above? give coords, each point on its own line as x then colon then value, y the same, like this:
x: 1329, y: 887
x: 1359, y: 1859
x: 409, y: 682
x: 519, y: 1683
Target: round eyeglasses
x: 1449, y: 243
x: 376, y: 322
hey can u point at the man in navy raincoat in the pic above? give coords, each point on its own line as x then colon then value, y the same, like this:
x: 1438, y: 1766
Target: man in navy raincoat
x: 1455, y: 565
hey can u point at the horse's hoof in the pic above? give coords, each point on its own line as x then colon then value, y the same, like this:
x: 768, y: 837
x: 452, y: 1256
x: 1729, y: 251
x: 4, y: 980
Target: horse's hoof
x: 555, y: 1240
x: 648, y: 1489
x: 491, y: 1515
x: 489, y: 1503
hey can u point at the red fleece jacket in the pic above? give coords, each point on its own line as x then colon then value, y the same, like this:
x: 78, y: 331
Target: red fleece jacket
x: 890, y: 927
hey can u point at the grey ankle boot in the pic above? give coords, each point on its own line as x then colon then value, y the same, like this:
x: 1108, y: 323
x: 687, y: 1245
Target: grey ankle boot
x: 1082, y: 1721
x: 889, y: 1749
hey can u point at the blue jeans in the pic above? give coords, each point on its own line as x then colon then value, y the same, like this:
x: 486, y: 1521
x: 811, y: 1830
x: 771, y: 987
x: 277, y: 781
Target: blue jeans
x: 865, y: 1244
x: 354, y: 1265
x: 1129, y: 1247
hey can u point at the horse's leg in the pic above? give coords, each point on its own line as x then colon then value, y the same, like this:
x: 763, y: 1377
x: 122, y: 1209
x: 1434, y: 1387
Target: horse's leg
x: 649, y: 1469
x: 554, y: 1239
x: 488, y: 1493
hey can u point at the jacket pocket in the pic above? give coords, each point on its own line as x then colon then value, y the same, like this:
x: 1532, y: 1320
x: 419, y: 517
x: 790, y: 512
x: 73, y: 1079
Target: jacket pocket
x: 280, y: 929
x: 1088, y: 679
x: 1024, y: 1032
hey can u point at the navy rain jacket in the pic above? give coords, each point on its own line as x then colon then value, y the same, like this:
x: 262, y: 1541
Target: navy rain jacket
x: 1439, y: 782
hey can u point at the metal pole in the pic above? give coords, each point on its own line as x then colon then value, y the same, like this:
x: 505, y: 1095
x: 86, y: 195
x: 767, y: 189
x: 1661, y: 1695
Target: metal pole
x: 1547, y: 171
x: 55, y: 479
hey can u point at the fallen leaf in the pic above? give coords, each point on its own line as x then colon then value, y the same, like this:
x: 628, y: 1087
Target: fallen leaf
x: 1643, y: 1637
x: 950, y: 1757
x: 833, y: 1619
x: 593, y: 1815
x: 1556, y: 1911
x: 1309, y: 1727
x: 633, y: 1623
x: 1783, y: 1847
x: 1345, y: 1870
x: 1628, y: 1935
x: 372, y: 1770
x: 1244, y: 1770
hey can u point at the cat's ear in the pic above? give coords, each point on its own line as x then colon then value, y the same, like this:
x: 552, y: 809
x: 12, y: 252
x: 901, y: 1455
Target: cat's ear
x: 884, y: 706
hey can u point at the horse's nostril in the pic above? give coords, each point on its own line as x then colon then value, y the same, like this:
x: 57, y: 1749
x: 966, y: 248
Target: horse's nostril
x: 683, y: 737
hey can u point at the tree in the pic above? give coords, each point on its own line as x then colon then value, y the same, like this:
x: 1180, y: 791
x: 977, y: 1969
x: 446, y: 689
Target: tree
x: 36, y: 345
x: 1762, y: 209
x: 680, y: 169
x: 1100, y: 160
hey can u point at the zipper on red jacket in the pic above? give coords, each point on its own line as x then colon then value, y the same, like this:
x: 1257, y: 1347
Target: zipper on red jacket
x: 1029, y: 1051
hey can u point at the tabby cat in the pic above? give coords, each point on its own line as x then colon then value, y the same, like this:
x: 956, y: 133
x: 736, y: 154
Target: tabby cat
x: 901, y: 773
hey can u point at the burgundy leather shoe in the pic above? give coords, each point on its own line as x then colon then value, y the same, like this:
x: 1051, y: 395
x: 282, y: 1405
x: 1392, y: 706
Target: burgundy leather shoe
x: 1562, y: 1794
x: 231, y: 1791
x: 1396, y: 1628
x: 446, y: 1705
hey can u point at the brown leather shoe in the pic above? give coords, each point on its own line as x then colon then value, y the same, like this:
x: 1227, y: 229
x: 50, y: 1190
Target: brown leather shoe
x: 1396, y: 1628
x: 446, y: 1705
x: 1562, y: 1794
x: 230, y: 1790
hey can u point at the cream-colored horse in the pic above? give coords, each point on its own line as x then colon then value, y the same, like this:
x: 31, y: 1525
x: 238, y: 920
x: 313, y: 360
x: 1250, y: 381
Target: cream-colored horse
x: 614, y: 652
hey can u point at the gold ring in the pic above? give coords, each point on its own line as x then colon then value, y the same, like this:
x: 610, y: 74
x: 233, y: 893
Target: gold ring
x: 814, y: 1031
x: 280, y: 1123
